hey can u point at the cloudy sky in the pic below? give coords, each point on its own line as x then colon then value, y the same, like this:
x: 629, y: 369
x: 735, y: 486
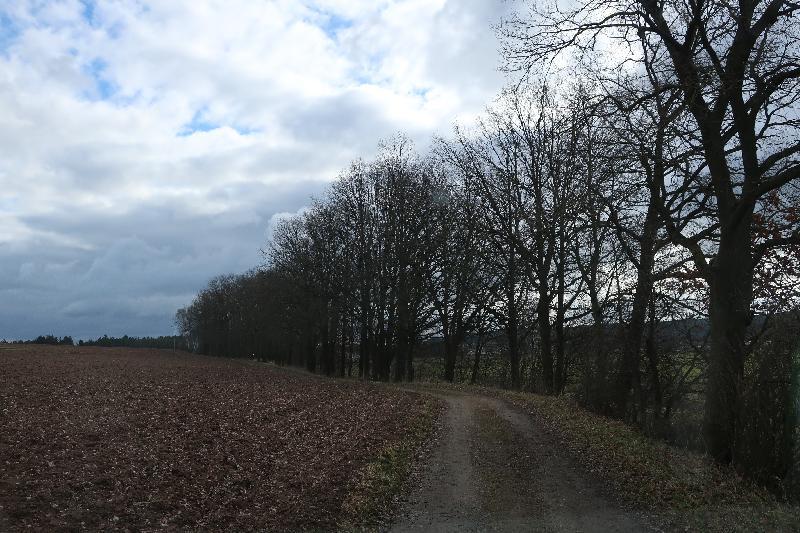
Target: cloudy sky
x: 148, y: 145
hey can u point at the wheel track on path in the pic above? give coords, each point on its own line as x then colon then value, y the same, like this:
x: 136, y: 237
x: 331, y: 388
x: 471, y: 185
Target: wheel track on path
x: 495, y: 469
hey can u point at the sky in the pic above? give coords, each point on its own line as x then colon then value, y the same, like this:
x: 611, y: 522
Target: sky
x: 148, y: 146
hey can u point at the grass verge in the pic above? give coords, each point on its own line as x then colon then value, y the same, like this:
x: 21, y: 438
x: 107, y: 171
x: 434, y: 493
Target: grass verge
x: 688, y: 489
x: 373, y: 497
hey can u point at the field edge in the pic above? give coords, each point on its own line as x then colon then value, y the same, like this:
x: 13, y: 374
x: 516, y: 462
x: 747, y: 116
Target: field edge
x: 374, y: 497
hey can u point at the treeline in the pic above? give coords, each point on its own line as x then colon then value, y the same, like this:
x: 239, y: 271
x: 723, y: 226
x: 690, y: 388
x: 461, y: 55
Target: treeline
x: 163, y: 342
x: 45, y: 339
x: 633, y: 238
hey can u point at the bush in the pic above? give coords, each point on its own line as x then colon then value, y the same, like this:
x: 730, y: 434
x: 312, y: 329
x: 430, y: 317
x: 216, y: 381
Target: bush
x: 767, y: 440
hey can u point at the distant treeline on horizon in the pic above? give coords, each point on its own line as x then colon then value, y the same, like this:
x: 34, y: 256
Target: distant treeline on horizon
x: 164, y: 341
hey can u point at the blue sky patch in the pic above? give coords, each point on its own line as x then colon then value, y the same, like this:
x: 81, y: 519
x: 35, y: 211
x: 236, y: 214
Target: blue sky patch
x: 329, y: 22
x: 9, y: 31
x: 198, y: 123
x: 421, y: 92
x: 88, y: 12
x: 333, y: 24
x: 104, y: 88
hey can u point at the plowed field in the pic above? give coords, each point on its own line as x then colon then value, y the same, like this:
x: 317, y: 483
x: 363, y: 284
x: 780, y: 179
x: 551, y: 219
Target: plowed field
x: 104, y: 438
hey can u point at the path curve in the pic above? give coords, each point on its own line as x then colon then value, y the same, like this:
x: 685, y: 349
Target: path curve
x: 494, y: 469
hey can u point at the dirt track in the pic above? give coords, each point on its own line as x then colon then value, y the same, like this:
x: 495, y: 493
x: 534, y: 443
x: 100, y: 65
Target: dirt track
x: 493, y: 469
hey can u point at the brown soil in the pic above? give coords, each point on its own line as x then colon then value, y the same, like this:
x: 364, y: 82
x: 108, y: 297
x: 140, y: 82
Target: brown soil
x: 122, y: 439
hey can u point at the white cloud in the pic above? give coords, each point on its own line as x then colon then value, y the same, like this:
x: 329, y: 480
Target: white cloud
x: 171, y: 132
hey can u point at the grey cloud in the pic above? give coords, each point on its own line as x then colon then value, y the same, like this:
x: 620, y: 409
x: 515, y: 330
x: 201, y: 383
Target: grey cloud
x: 112, y: 221
x: 472, y: 64
x: 146, y: 263
x: 345, y: 119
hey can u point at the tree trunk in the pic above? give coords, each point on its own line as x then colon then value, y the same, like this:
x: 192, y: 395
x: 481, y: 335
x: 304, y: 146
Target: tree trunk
x: 476, y: 363
x: 400, y: 363
x: 652, y: 358
x: 513, y: 352
x: 311, y: 355
x: 410, y: 365
x: 560, y: 380
x: 327, y: 343
x: 450, y: 353
x: 351, y: 349
x: 364, y: 352
x: 512, y: 322
x: 628, y: 374
x: 343, y: 353
x: 364, y: 336
x: 379, y: 349
x: 545, y: 341
x: 731, y: 284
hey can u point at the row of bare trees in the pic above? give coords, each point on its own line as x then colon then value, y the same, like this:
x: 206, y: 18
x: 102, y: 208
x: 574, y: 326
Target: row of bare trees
x: 719, y: 83
x: 633, y: 238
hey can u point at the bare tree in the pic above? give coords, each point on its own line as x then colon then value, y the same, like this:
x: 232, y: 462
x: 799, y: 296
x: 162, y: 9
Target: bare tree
x: 737, y: 68
x: 489, y: 170
x: 456, y: 281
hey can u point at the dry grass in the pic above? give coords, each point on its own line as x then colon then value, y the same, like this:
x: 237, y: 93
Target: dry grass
x: 688, y: 489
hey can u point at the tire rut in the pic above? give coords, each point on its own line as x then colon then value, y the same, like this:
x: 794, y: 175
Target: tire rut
x: 494, y: 469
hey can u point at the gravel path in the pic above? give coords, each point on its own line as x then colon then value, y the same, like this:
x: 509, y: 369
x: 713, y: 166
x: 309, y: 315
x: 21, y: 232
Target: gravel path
x: 493, y: 469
